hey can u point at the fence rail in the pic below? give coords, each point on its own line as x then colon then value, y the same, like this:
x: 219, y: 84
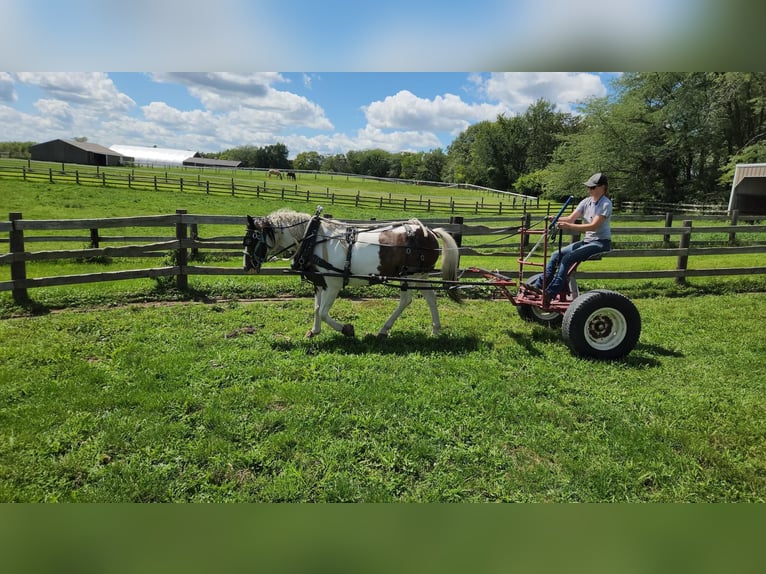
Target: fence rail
x: 184, y: 240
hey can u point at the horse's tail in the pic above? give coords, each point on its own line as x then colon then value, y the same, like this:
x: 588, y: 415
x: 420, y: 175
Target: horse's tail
x: 450, y: 263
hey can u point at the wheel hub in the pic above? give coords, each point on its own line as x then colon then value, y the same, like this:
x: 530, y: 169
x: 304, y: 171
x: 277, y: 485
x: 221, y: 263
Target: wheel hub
x: 600, y: 327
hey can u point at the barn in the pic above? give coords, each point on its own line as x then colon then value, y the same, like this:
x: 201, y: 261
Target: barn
x: 748, y: 190
x: 71, y: 151
x: 154, y: 156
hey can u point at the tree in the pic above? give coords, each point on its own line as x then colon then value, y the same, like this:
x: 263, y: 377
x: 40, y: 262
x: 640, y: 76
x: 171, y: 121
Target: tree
x: 308, y: 160
x: 665, y: 136
x: 496, y: 154
x: 432, y: 165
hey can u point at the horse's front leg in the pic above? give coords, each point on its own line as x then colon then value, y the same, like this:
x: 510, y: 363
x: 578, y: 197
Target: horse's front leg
x: 404, y: 300
x: 317, y: 327
x: 323, y: 300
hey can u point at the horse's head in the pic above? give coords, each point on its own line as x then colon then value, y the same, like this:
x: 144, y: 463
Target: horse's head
x: 259, y: 239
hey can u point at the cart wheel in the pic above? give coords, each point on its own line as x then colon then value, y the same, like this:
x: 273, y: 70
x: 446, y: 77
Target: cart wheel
x: 601, y: 324
x: 535, y: 314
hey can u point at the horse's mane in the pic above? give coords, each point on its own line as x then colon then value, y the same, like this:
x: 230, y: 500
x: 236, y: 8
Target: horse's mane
x: 287, y: 218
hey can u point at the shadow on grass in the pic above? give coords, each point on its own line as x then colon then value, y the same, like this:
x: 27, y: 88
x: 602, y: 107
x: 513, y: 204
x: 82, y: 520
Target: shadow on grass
x: 643, y: 355
x: 394, y: 344
x: 542, y: 335
x: 23, y: 307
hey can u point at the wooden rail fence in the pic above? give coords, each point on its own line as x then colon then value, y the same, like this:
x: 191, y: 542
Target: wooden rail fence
x: 277, y: 190
x: 184, y: 242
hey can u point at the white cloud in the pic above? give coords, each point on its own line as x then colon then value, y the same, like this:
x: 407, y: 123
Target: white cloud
x: 94, y: 89
x: 251, y: 98
x: 518, y: 90
x: 448, y: 113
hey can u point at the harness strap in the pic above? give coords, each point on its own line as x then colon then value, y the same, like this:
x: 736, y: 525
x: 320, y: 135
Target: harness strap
x: 307, y: 262
x: 307, y: 244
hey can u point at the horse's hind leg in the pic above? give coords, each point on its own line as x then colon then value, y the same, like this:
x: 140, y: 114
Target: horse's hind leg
x: 430, y: 297
x: 404, y: 300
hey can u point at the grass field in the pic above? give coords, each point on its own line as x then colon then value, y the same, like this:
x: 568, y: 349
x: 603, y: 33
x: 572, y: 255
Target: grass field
x: 113, y: 392
x: 228, y: 402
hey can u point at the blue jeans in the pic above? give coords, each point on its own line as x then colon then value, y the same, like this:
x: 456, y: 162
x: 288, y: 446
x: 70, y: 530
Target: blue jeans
x: 561, y: 261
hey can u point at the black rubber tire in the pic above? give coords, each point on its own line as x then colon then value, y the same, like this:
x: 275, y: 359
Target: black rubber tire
x: 535, y: 314
x: 601, y: 324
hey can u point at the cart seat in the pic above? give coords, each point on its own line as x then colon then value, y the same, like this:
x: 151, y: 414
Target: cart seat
x: 576, y: 264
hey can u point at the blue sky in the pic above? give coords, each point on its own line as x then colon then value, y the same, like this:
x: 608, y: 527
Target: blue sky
x: 327, y: 112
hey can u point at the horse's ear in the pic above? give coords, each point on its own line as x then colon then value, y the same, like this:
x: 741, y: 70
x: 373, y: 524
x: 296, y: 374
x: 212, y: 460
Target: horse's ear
x: 250, y: 222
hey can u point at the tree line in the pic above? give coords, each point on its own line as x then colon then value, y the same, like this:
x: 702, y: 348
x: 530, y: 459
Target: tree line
x: 662, y: 136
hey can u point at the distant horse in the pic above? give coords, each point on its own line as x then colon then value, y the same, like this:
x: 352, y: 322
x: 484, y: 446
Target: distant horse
x: 331, y: 254
x: 274, y: 172
x: 291, y: 175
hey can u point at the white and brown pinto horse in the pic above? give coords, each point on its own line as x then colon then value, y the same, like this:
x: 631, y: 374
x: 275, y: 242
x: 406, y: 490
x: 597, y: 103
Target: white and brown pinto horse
x: 331, y: 254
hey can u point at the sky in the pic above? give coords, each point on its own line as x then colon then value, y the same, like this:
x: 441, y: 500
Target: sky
x: 330, y: 113
x: 398, y: 75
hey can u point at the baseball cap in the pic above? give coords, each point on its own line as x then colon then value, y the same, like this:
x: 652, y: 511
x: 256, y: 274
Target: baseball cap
x: 596, y: 179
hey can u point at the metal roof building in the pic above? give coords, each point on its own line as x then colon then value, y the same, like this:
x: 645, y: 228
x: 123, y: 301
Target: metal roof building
x: 209, y: 162
x: 748, y: 190
x: 72, y: 151
x: 156, y: 156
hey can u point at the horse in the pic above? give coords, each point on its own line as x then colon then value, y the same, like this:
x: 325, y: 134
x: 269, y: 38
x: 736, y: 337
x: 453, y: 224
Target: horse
x: 274, y: 172
x: 291, y: 175
x: 332, y: 254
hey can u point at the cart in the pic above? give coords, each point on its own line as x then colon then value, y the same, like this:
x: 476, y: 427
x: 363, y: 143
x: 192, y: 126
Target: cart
x: 598, y: 324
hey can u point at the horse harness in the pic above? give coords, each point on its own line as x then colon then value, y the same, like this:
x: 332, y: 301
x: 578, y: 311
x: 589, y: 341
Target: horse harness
x: 311, y: 266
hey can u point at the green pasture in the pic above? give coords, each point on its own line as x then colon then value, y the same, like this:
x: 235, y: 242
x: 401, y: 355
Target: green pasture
x: 315, y: 182
x: 228, y: 402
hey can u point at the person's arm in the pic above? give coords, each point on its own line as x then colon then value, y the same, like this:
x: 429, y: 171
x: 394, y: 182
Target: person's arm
x: 571, y: 218
x: 568, y: 223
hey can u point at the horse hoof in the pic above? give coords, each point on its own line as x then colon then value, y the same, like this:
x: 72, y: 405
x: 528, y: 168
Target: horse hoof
x: 382, y: 335
x: 309, y: 334
x: 348, y: 330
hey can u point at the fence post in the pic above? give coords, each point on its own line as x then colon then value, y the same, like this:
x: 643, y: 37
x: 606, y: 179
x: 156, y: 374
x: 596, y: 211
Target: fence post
x: 526, y: 223
x: 458, y: 237
x: 18, y: 268
x: 668, y: 223
x: 182, y: 280
x: 734, y: 221
x: 683, y: 260
x: 94, y: 238
x: 194, y: 235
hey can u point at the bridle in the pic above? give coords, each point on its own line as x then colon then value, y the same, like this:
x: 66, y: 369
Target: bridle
x: 256, y: 245
x: 255, y: 248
